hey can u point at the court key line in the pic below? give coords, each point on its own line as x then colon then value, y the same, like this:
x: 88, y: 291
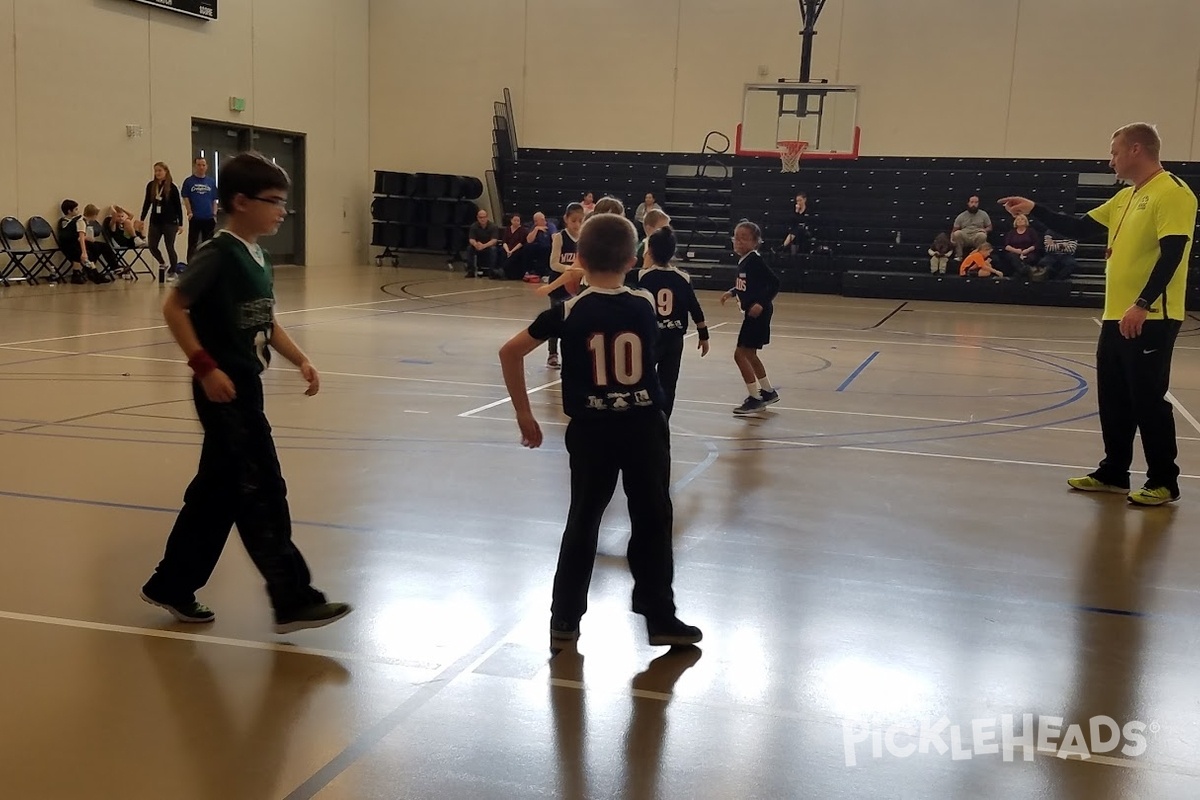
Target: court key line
x: 858, y: 371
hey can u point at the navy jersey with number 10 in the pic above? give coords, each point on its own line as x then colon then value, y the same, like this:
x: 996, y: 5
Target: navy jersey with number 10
x: 607, y: 337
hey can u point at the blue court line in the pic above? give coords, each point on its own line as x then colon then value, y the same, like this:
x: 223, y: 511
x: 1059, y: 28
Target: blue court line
x: 858, y: 371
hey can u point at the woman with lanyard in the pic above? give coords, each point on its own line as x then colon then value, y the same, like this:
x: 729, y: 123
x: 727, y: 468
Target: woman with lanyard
x: 165, y: 207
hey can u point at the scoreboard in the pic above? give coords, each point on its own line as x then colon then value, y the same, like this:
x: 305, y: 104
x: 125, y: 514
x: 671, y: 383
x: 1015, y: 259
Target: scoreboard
x: 202, y: 9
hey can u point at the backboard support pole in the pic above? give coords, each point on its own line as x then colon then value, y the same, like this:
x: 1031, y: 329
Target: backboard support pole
x: 810, y: 11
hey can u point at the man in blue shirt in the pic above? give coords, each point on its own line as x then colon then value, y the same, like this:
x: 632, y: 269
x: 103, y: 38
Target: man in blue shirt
x: 200, y: 203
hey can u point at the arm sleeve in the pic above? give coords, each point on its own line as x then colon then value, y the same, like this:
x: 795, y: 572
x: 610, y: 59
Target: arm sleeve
x: 1090, y: 226
x: 556, y: 253
x: 200, y: 275
x: 1170, y: 259
x: 549, y: 324
x: 769, y: 281
x: 177, y: 204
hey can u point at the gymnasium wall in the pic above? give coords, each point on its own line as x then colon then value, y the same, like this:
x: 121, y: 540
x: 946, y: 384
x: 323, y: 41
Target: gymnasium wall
x: 74, y: 73
x: 1015, y: 78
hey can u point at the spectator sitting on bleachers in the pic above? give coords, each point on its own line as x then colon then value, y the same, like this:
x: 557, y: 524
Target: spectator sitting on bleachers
x: 588, y: 203
x: 971, y: 227
x: 484, y: 240
x: 1022, y: 248
x: 514, y: 248
x: 650, y: 204
x: 939, y: 253
x: 537, y: 246
x: 801, y: 237
x: 72, y: 243
x: 979, y: 263
x: 1059, y: 261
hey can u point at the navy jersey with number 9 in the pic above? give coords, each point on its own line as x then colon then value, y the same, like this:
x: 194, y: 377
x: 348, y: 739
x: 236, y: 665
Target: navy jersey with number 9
x: 607, y: 338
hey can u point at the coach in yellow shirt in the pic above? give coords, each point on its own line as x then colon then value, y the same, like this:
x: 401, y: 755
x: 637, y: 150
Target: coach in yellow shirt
x: 1149, y: 228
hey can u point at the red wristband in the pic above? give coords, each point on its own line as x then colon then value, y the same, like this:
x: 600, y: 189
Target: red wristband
x: 202, y: 363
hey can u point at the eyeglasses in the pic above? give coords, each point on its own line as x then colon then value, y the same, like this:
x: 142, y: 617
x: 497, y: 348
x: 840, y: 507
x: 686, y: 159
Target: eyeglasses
x: 278, y: 202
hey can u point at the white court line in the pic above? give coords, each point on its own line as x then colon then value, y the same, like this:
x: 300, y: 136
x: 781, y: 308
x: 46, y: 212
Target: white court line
x: 278, y: 313
x: 157, y: 633
x: 507, y: 399
x: 913, y: 453
x: 1171, y: 399
x: 323, y: 372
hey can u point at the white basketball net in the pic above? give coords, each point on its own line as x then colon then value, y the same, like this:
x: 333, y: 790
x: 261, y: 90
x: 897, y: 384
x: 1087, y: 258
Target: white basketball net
x: 790, y: 154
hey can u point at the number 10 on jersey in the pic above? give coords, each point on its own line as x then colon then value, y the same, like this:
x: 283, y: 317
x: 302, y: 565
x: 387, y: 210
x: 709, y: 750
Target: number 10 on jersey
x: 625, y: 355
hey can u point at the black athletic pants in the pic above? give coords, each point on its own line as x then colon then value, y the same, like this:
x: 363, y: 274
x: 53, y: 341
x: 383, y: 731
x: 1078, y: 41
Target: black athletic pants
x: 668, y: 354
x: 199, y: 232
x: 637, y: 445
x: 238, y: 482
x: 1132, y: 379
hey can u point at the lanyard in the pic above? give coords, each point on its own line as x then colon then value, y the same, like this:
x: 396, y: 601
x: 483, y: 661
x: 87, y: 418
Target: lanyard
x: 1109, y: 250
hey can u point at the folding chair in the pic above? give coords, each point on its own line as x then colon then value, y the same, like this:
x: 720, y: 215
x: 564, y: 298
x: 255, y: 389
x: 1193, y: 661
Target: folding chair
x: 38, y: 230
x: 139, y: 253
x: 12, y: 232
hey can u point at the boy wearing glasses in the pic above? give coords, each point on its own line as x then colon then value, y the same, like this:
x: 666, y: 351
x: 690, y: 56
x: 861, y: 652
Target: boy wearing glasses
x: 222, y: 314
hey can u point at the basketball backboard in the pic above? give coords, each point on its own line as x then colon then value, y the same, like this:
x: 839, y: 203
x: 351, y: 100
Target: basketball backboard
x: 821, y: 114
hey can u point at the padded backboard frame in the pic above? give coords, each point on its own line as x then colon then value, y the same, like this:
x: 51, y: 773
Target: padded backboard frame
x: 822, y: 114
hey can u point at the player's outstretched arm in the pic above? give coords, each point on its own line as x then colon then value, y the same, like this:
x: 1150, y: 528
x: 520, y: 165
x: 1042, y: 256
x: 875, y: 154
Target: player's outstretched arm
x: 512, y: 362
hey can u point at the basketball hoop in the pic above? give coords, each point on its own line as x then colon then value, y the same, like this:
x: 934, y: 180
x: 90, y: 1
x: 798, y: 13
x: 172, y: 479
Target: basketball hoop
x: 790, y: 154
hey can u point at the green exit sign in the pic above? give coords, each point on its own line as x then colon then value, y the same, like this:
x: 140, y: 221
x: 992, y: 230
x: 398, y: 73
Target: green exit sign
x: 237, y: 104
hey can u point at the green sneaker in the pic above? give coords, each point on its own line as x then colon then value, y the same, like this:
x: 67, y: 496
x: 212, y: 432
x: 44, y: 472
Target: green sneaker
x: 314, y: 616
x: 1089, y: 484
x: 1157, y: 496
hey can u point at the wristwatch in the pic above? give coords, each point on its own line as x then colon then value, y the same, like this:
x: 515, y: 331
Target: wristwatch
x: 1143, y: 304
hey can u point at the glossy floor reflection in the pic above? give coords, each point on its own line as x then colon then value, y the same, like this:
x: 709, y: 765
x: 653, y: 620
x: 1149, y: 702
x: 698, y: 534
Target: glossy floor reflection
x: 887, y: 566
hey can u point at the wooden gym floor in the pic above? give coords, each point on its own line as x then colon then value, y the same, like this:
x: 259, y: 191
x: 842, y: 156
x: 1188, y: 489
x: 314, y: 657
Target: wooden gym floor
x: 892, y: 545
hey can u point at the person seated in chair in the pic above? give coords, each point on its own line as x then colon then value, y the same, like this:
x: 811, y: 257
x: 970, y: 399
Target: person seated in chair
x: 125, y: 231
x: 71, y: 235
x: 484, y: 241
x: 98, y: 248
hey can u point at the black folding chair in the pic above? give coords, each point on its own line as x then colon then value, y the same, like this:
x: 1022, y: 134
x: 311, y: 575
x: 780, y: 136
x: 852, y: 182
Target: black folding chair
x: 39, y: 231
x: 17, y: 248
x: 129, y: 265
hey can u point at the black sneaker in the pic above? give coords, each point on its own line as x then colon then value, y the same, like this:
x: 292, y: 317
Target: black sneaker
x: 184, y: 612
x: 77, y: 277
x: 672, y: 632
x: 562, y: 630
x: 770, y: 398
x: 752, y: 405
x: 317, y: 615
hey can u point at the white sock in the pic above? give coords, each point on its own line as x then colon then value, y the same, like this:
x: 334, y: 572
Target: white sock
x: 765, y: 384
x: 753, y: 389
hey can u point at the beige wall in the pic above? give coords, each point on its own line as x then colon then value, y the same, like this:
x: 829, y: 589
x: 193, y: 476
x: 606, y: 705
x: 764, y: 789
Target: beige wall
x: 1020, y: 78
x: 84, y: 69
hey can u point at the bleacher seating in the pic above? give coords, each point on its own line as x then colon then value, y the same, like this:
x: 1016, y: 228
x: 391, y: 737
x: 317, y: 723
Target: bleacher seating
x: 877, y: 214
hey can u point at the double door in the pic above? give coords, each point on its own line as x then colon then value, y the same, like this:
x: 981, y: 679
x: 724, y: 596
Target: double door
x: 217, y: 141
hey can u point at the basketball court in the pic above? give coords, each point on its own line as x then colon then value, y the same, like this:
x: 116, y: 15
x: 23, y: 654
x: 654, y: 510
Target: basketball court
x: 891, y: 545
